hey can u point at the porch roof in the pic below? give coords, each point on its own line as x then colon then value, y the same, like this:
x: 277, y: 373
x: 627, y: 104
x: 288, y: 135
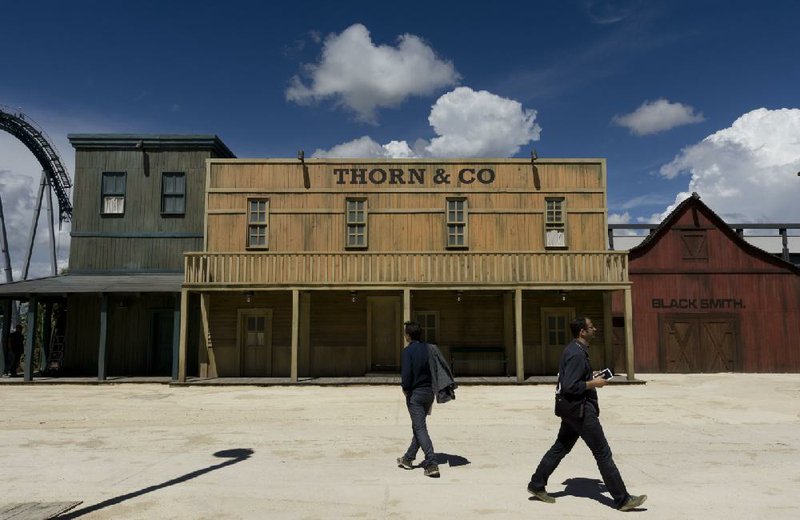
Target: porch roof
x: 79, y: 283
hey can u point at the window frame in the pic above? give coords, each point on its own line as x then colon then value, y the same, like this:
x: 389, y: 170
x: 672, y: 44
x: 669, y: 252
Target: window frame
x: 164, y: 195
x: 251, y: 223
x: 568, y: 313
x: 555, y: 225
x: 463, y: 223
x: 417, y: 317
x: 123, y: 193
x: 348, y: 224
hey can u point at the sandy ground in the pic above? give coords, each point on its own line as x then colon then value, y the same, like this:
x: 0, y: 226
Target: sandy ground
x: 700, y: 446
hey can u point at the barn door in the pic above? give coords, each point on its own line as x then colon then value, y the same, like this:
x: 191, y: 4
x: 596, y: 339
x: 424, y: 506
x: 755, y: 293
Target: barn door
x: 697, y: 343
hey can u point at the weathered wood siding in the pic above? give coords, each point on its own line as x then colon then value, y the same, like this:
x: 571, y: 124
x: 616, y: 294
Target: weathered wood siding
x: 142, y: 238
x: 130, y: 347
x: 506, y: 215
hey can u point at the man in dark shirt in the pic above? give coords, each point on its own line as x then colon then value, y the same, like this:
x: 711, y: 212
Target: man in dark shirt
x: 580, y: 413
x: 417, y: 385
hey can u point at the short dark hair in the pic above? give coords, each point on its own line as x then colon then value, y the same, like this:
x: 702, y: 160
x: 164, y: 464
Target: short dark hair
x: 577, y: 325
x: 412, y: 330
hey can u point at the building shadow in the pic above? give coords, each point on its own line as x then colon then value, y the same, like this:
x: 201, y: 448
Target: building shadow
x: 451, y: 460
x: 586, y: 488
x: 234, y: 456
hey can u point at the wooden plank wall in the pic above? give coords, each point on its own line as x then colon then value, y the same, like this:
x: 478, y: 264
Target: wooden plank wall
x: 129, y: 337
x: 507, y: 215
x: 586, y: 303
x: 142, y: 210
x: 223, y: 328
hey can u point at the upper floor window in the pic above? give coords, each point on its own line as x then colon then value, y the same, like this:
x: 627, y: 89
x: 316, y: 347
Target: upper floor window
x: 257, y: 223
x: 555, y: 223
x: 112, y: 196
x: 694, y: 245
x: 173, y: 193
x: 457, y: 223
x: 356, y: 223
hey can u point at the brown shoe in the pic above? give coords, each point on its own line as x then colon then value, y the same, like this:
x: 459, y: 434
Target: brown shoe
x: 542, y: 495
x: 633, y: 502
x: 405, y: 463
x: 432, y: 470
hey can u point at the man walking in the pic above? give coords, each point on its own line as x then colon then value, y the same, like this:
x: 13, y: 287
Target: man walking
x: 417, y: 386
x: 579, y: 409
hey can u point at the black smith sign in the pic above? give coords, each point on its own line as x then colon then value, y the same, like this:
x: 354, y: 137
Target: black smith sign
x: 411, y: 176
x: 697, y: 303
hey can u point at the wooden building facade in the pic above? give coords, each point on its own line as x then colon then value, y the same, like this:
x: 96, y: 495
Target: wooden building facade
x: 708, y: 301
x: 309, y: 267
x: 138, y: 206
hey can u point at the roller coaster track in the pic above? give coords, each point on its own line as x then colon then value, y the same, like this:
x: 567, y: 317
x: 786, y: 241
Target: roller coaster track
x: 38, y: 143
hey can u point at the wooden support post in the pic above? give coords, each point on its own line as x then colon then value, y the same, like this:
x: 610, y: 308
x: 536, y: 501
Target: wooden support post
x: 295, y: 332
x: 208, y: 364
x: 608, y: 331
x: 30, y: 338
x: 182, y: 335
x: 518, y: 326
x: 304, y: 353
x: 4, y: 335
x: 101, y: 349
x: 508, y: 325
x: 47, y: 327
x: 406, y: 305
x: 176, y: 335
x: 629, y: 333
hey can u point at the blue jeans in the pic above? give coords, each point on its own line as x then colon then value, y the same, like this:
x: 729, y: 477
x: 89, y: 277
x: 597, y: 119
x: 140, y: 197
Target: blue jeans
x: 590, y: 430
x: 419, y: 401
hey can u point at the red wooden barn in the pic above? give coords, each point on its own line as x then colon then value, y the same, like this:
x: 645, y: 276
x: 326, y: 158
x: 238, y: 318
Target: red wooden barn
x: 705, y: 300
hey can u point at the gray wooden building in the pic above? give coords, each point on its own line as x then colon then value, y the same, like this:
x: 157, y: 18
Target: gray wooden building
x: 139, y: 205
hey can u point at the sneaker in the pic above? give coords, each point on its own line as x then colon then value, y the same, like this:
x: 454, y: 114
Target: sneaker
x: 432, y: 470
x: 405, y: 463
x: 633, y: 502
x: 542, y: 495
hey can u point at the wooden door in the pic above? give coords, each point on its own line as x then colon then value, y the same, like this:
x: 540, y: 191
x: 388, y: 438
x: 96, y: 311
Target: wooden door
x: 698, y: 344
x: 555, y: 336
x: 384, y: 333
x: 255, y: 342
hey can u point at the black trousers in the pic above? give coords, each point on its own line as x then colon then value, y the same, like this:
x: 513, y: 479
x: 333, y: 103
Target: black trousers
x: 590, y: 430
x: 419, y: 401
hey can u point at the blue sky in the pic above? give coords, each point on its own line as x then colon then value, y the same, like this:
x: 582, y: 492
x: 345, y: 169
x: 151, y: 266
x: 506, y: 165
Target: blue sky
x: 679, y: 96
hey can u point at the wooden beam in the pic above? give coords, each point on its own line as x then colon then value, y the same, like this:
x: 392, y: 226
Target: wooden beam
x: 295, y: 332
x: 518, y: 326
x: 629, y: 333
x: 206, y: 343
x: 304, y: 349
x: 30, y: 337
x: 406, y: 305
x: 183, y: 333
x: 101, y: 348
x: 608, y: 331
x: 508, y: 324
x: 176, y: 335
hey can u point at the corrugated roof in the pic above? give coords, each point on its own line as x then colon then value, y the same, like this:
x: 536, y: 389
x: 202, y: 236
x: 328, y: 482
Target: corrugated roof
x: 78, y: 283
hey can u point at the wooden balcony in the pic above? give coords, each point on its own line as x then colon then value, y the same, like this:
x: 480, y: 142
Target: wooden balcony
x: 419, y: 269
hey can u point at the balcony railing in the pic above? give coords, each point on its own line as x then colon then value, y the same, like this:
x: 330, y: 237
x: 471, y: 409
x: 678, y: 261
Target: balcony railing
x: 420, y: 269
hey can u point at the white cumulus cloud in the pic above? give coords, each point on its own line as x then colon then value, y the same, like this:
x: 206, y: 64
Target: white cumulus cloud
x: 362, y: 76
x: 657, y: 116
x: 467, y: 123
x: 746, y: 172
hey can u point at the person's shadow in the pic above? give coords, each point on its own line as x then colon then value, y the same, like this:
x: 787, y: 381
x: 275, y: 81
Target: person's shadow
x: 451, y: 460
x: 233, y: 456
x: 585, y: 488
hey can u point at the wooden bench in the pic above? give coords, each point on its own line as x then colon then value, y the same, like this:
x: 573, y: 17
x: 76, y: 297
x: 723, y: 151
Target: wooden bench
x: 457, y: 356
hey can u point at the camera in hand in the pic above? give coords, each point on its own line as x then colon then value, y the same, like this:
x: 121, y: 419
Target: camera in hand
x: 606, y: 373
